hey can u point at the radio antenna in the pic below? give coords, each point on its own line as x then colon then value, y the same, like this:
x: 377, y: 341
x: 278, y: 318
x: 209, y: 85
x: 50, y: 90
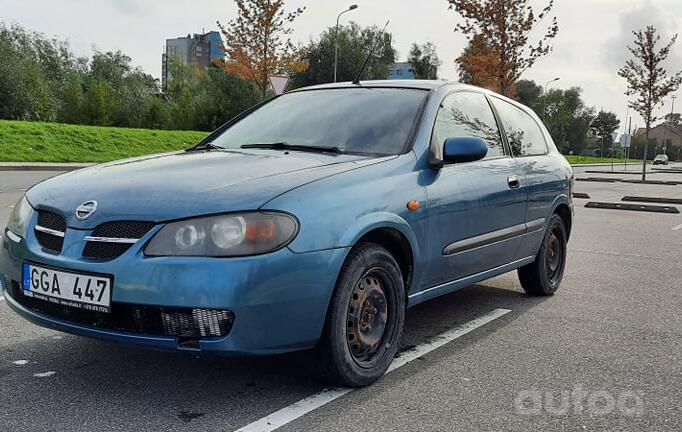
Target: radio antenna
x: 371, y: 52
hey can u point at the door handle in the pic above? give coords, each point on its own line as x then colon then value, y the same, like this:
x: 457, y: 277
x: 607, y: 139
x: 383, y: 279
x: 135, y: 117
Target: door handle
x: 513, y: 182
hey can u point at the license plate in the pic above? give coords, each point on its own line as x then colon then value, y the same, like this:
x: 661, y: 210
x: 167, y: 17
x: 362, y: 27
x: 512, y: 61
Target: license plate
x: 82, y: 291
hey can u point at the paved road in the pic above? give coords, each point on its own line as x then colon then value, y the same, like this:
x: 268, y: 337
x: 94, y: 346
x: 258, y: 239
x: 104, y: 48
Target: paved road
x: 609, y: 342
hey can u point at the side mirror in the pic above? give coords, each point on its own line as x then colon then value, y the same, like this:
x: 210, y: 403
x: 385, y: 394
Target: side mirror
x: 464, y: 149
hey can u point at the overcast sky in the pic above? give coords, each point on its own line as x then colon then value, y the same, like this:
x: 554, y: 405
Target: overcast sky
x: 588, y: 51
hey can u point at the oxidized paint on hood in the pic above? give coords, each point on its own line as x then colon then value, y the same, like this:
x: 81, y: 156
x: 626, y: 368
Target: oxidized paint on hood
x: 185, y: 184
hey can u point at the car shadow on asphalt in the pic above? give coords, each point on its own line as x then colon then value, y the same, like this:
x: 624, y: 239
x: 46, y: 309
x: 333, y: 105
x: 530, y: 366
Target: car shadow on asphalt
x: 174, y: 387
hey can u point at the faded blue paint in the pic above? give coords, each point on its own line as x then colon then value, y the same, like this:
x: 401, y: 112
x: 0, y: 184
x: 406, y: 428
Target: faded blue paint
x: 280, y: 299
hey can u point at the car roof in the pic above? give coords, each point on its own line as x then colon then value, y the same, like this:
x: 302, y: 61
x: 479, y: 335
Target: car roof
x: 428, y: 85
x: 407, y: 84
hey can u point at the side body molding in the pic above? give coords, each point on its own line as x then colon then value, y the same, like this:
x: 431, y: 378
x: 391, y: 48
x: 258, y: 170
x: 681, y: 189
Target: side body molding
x: 494, y: 237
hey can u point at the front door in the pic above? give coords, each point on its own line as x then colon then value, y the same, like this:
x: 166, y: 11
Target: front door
x: 477, y: 210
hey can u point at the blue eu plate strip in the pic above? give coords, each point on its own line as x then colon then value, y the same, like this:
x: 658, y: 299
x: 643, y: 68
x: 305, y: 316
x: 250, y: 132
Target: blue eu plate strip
x: 26, y: 277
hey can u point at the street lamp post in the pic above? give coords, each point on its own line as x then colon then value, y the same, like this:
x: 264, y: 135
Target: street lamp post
x: 336, y: 38
x: 669, y: 126
x: 544, y: 111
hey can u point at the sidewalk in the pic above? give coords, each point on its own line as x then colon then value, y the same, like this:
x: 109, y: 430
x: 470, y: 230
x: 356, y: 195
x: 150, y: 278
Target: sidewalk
x: 42, y: 166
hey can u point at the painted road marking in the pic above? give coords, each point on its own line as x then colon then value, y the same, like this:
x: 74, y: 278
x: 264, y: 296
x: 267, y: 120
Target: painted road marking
x: 20, y: 362
x: 44, y: 374
x: 298, y: 409
x: 678, y: 228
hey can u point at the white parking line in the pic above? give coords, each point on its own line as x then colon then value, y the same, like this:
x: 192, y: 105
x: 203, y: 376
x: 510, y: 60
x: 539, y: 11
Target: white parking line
x: 678, y: 228
x: 298, y: 409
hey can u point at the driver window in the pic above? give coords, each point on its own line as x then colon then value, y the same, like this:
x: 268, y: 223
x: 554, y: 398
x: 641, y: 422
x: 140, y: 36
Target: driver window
x: 468, y: 114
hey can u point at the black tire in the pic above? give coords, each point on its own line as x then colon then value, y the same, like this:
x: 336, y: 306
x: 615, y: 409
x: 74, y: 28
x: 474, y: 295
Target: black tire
x: 543, y: 277
x: 365, y: 318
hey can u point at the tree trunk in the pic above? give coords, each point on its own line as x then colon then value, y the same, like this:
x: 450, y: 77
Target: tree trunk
x: 646, y: 153
x: 601, y: 148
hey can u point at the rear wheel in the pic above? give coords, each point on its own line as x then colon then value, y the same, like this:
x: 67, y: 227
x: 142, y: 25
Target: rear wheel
x: 543, y: 277
x: 366, y: 318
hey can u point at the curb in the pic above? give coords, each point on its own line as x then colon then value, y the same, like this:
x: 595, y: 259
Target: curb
x: 608, y: 165
x: 38, y: 166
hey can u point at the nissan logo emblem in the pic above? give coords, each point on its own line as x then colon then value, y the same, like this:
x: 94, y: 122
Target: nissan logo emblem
x: 86, y: 210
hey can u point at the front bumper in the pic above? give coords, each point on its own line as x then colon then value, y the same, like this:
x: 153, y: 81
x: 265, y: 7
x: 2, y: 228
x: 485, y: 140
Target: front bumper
x: 279, y: 300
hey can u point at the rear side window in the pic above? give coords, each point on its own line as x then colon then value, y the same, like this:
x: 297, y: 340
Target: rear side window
x: 468, y: 114
x: 524, y: 134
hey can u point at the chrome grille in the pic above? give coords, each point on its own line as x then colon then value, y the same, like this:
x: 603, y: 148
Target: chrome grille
x: 112, y: 239
x: 125, y: 230
x: 50, y: 231
x: 51, y: 220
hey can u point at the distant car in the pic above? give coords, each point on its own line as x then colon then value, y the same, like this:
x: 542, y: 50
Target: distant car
x: 311, y: 221
x: 661, y: 160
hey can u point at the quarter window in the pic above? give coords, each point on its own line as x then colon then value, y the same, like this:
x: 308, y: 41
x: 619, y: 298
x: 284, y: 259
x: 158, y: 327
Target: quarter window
x: 524, y: 135
x: 468, y: 114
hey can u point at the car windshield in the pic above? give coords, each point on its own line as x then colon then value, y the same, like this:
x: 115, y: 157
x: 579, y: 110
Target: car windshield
x: 373, y: 121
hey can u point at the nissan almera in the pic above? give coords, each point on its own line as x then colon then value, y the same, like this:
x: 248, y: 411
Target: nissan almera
x: 312, y: 221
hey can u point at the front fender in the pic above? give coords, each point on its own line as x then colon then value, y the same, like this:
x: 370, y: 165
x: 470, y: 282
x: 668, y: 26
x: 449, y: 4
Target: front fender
x: 336, y: 211
x: 379, y: 220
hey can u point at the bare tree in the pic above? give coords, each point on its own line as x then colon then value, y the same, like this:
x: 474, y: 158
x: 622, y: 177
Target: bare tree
x: 647, y: 78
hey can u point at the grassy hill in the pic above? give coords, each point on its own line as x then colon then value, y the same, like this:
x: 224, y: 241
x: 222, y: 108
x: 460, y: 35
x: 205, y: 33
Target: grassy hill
x: 22, y: 141
x: 52, y: 142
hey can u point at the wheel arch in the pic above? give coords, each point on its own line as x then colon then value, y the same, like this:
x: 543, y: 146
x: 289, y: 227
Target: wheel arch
x: 392, y: 232
x: 398, y: 245
x: 563, y: 208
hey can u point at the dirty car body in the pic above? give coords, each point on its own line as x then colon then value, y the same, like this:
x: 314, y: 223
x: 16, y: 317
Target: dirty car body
x: 119, y: 226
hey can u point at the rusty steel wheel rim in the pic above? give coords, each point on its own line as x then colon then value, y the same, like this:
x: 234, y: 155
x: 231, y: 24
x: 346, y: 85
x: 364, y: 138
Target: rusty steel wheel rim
x: 370, y: 318
x: 555, y: 257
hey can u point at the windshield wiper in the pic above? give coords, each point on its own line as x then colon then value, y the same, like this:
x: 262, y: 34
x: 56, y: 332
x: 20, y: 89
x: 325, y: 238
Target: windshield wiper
x: 294, y: 147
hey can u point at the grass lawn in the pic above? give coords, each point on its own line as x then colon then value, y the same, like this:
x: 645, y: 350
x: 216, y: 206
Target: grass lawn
x: 22, y: 141
x: 581, y: 160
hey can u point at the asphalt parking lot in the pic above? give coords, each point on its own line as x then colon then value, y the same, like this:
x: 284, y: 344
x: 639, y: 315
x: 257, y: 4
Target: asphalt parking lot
x: 602, y: 354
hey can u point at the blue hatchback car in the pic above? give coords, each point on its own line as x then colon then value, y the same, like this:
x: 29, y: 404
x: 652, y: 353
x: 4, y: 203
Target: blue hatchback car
x: 311, y: 221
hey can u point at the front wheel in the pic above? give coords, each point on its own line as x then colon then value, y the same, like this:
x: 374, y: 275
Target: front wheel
x: 543, y: 277
x: 366, y: 318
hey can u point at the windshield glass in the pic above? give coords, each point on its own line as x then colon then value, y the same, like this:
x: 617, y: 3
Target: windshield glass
x: 356, y: 120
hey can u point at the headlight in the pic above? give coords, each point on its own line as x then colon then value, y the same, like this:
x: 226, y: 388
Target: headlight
x: 19, y: 218
x: 228, y: 235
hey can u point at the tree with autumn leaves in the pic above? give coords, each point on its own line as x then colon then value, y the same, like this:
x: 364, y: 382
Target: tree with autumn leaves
x: 500, y: 49
x: 257, y: 43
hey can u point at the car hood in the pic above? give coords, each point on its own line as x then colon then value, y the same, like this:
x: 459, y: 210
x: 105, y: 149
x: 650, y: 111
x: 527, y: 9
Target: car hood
x: 185, y: 184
